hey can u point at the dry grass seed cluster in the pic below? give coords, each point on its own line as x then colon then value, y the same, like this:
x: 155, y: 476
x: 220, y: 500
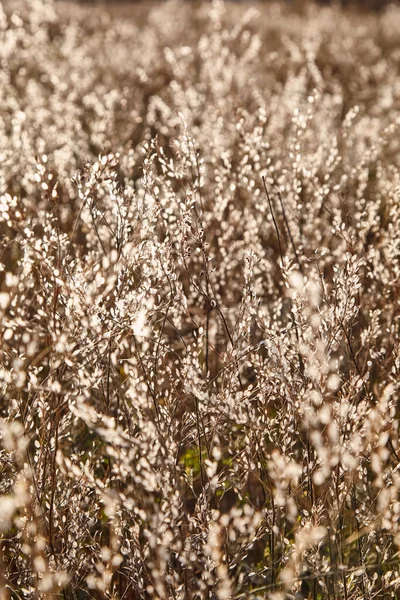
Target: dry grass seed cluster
x: 200, y: 283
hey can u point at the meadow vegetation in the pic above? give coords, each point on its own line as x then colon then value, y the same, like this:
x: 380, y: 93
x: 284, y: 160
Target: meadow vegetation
x: 199, y: 301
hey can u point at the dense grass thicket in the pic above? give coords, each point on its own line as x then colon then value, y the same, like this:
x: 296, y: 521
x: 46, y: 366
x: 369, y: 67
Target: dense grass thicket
x: 199, y: 299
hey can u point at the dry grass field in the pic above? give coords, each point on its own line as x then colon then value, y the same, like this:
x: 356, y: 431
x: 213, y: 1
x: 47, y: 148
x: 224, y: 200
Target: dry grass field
x: 199, y: 302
